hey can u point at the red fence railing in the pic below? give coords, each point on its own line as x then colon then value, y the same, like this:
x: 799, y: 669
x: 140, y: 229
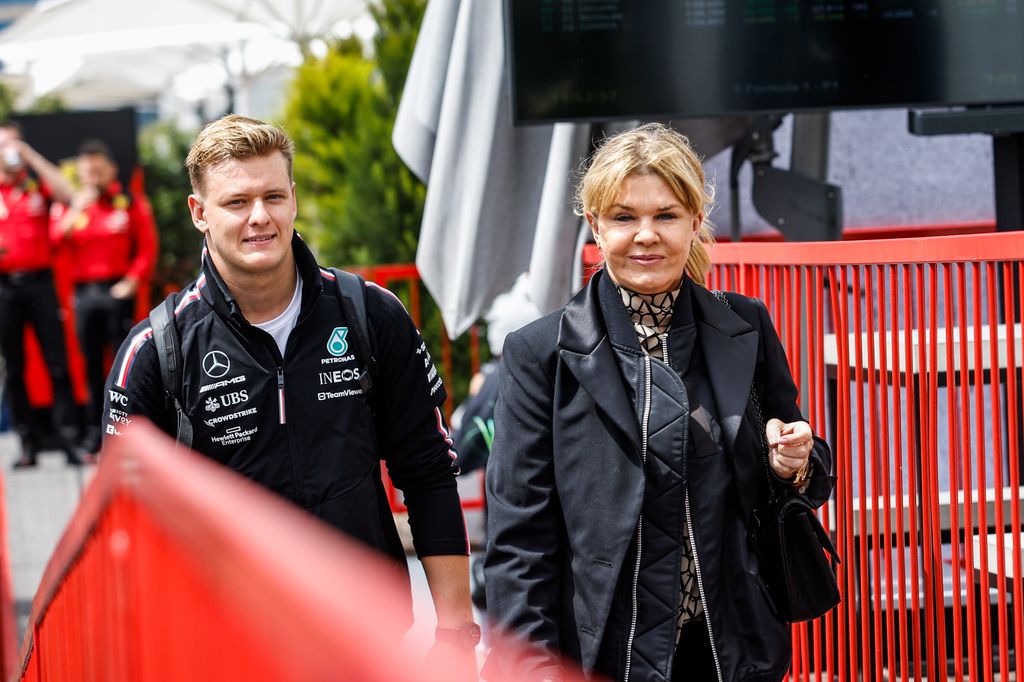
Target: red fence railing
x: 404, y: 279
x: 908, y: 356
x: 8, y: 632
x: 175, y: 568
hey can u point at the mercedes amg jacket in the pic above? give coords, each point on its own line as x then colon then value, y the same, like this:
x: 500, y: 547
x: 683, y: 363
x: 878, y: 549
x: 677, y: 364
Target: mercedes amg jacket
x: 300, y: 424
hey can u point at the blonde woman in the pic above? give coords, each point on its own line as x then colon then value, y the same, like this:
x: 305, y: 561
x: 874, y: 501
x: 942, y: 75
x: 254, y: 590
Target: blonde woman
x: 628, y: 456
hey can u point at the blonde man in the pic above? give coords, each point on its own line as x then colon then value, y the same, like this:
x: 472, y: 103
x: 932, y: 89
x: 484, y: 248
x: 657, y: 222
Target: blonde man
x: 271, y: 377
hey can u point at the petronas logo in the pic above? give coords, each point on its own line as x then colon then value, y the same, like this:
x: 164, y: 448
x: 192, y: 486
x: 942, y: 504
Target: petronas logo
x: 337, y: 345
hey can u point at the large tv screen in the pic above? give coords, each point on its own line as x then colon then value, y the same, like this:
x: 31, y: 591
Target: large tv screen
x: 608, y: 59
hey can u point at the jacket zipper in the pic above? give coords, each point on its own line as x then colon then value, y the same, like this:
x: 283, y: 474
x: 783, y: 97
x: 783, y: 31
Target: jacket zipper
x: 280, y: 395
x: 700, y: 584
x: 693, y: 546
x: 640, y: 521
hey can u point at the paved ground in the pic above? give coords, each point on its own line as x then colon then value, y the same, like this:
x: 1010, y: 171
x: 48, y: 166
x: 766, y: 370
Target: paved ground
x: 39, y: 503
x: 41, y: 500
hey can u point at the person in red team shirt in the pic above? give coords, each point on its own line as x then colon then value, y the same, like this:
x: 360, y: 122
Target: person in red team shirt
x: 113, y: 241
x: 27, y: 294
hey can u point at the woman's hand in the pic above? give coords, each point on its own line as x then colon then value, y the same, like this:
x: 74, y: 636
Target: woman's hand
x: 789, y: 447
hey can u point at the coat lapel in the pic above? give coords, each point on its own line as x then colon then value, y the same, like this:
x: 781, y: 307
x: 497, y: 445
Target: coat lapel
x: 586, y: 349
x: 730, y: 351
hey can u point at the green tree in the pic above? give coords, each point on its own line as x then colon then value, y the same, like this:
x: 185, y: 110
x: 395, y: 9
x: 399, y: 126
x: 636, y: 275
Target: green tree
x: 50, y: 103
x: 360, y: 205
x: 7, y: 97
x: 398, y: 24
x: 162, y: 151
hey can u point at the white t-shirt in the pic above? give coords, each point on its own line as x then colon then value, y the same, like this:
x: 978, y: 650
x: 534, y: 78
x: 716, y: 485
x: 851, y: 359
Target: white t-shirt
x: 281, y: 326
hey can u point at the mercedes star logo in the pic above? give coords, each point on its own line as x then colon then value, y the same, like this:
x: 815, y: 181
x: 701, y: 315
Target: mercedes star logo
x: 216, y: 364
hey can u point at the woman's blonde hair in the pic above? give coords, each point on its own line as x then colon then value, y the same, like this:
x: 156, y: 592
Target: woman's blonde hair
x: 652, y: 148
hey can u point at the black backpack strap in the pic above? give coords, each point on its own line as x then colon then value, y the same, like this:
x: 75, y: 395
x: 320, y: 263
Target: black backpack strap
x: 352, y: 292
x: 168, y: 352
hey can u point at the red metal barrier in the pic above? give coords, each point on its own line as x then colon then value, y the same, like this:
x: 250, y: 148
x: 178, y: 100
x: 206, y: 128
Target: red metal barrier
x: 908, y: 356
x: 8, y: 632
x: 175, y: 568
x: 404, y: 279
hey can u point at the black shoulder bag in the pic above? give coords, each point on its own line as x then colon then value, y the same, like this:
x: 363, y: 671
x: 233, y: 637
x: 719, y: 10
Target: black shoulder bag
x: 797, y: 558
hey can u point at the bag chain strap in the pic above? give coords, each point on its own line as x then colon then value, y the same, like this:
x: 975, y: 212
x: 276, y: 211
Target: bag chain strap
x: 756, y: 403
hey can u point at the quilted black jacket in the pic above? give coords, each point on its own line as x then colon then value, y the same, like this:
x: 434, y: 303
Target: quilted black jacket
x: 566, y: 485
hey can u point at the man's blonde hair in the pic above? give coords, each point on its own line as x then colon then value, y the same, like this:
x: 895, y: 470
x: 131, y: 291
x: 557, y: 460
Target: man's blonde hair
x: 235, y: 137
x: 659, y: 150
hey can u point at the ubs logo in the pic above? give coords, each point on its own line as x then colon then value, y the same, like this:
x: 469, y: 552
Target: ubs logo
x: 216, y: 364
x: 234, y: 398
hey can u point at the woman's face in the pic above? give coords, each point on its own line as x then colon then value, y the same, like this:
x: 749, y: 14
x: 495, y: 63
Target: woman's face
x: 645, y: 235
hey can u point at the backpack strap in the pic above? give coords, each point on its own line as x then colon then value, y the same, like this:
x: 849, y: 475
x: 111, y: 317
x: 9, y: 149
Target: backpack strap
x: 352, y: 292
x: 168, y: 352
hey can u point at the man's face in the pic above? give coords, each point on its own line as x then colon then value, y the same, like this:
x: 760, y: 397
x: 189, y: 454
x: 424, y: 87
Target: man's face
x: 246, y: 209
x: 96, y: 170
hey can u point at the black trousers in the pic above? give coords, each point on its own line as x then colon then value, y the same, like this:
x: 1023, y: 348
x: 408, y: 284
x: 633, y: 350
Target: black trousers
x: 102, y: 322
x: 30, y: 298
x: 694, y: 660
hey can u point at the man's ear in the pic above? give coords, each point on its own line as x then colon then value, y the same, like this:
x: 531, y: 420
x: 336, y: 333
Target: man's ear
x: 295, y: 203
x: 197, y: 209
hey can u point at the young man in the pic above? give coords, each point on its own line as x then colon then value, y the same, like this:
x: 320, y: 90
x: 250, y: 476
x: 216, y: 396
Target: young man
x: 271, y: 383
x: 112, y: 238
x: 27, y: 294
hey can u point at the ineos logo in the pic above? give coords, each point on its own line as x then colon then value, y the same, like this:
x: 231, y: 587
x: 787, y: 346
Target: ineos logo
x: 216, y: 364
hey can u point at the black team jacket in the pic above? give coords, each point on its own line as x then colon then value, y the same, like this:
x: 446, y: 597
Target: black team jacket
x: 300, y: 425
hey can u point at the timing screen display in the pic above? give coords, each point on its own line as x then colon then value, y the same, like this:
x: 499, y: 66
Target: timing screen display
x: 606, y: 59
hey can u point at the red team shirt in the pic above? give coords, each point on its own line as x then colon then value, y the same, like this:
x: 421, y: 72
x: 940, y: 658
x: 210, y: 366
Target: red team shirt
x: 112, y: 238
x: 24, y: 227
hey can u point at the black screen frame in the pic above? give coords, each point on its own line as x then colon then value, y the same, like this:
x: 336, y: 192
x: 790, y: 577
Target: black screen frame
x: 521, y: 114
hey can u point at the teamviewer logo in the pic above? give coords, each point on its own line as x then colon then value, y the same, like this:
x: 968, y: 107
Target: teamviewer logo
x: 216, y: 364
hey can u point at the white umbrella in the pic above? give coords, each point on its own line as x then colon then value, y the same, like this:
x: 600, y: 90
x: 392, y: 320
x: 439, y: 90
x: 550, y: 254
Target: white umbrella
x: 301, y: 21
x: 244, y: 36
x: 103, y: 81
x: 486, y: 179
x: 87, y: 27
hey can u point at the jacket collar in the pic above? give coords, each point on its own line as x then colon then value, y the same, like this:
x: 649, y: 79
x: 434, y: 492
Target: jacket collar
x: 594, y: 324
x: 223, y: 301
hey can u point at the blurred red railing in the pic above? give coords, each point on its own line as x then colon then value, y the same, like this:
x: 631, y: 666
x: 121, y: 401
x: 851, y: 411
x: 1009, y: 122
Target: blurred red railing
x: 908, y: 356
x: 175, y: 568
x: 404, y: 279
x: 8, y: 632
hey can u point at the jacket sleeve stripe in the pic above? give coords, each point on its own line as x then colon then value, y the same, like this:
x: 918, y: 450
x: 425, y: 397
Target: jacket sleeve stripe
x: 445, y: 435
x: 451, y: 453
x: 386, y: 291
x: 192, y: 296
x: 328, y: 275
x: 129, y: 356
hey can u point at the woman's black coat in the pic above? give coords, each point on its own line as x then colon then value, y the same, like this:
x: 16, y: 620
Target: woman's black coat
x: 565, y: 486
